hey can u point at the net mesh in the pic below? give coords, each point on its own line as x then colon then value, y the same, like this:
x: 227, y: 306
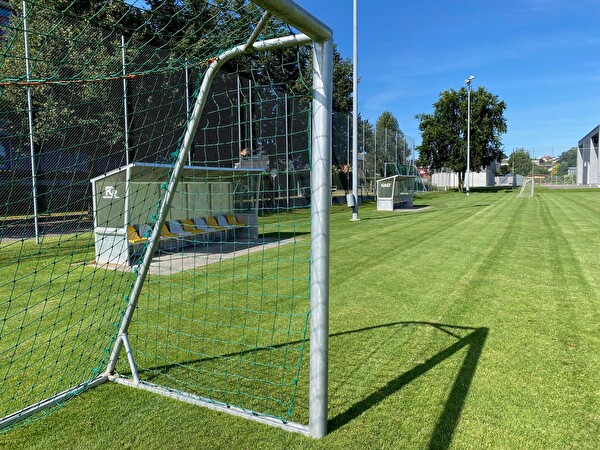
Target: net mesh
x: 527, y: 187
x: 95, y: 98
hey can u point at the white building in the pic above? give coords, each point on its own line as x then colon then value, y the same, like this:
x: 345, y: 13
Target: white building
x: 588, y: 159
x: 448, y: 179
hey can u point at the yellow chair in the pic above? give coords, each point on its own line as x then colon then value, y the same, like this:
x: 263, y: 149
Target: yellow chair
x: 231, y: 220
x: 164, y: 232
x: 188, y: 225
x: 133, y: 237
x: 212, y: 222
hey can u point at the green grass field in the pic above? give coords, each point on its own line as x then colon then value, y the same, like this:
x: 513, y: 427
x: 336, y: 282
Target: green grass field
x: 473, y: 322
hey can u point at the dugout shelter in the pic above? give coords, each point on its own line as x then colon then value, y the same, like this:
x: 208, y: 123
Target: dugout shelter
x: 131, y: 195
x: 395, y: 192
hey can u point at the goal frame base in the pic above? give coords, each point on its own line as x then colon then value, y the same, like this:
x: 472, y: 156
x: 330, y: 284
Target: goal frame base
x: 211, y: 404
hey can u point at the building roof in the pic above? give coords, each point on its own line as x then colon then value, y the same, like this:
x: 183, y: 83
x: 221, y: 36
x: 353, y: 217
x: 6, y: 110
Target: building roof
x: 594, y: 133
x: 189, y: 172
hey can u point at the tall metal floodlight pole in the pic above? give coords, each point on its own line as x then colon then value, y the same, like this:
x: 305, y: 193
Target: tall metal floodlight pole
x: 468, y: 174
x: 375, y: 162
x: 34, y: 191
x: 532, y: 172
x: 125, y: 103
x: 355, y: 113
x: 364, y: 164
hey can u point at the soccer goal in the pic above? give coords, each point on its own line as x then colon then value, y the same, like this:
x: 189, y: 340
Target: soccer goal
x: 165, y: 186
x: 527, y: 188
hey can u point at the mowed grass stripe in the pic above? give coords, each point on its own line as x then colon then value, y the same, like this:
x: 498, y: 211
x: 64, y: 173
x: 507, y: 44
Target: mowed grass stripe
x: 405, y: 256
x: 534, y: 325
x: 579, y: 301
x: 480, y: 269
x: 424, y: 280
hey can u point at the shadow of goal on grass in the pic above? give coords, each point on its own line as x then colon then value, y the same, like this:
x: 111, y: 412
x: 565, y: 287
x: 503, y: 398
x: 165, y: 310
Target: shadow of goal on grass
x: 447, y: 422
x: 443, y: 432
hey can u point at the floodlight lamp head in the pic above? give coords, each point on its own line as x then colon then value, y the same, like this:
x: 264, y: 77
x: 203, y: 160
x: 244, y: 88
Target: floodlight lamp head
x: 468, y: 80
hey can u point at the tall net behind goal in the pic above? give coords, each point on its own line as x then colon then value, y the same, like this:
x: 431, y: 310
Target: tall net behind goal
x: 164, y: 184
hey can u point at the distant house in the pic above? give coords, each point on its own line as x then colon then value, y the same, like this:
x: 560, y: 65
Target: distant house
x: 588, y: 159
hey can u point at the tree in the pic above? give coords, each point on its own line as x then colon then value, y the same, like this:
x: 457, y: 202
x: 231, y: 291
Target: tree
x: 73, y: 50
x: 182, y: 27
x: 444, y: 132
x: 562, y: 169
x: 342, y: 83
x: 523, y: 164
x: 504, y: 170
x: 291, y: 68
x: 91, y: 49
x: 520, y: 162
x: 569, y: 157
x: 391, y: 142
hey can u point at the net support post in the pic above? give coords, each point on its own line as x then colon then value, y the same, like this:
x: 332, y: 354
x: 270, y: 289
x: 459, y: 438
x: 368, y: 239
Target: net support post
x: 320, y: 195
x: 125, y: 100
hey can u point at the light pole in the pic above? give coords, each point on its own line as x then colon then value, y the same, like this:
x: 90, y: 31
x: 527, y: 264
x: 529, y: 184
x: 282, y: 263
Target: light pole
x: 355, y: 111
x: 468, y: 173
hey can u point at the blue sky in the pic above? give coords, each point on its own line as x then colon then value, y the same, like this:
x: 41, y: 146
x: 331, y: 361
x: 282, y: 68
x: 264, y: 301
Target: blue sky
x: 542, y: 57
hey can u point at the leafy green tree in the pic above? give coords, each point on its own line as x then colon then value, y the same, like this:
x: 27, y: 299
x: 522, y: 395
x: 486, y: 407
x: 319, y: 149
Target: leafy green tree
x: 73, y: 51
x: 523, y: 165
x: 562, y: 169
x: 179, y: 30
x: 520, y: 162
x: 444, y: 132
x: 504, y: 170
x: 391, y: 142
x: 569, y: 157
x: 183, y: 27
x: 540, y: 170
x: 342, y: 83
x: 290, y: 68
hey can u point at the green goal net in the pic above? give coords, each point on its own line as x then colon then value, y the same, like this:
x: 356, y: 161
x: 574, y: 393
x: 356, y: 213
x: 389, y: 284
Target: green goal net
x: 163, y: 195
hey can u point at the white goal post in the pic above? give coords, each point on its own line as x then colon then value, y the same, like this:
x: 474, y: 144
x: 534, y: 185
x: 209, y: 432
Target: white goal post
x: 527, y: 188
